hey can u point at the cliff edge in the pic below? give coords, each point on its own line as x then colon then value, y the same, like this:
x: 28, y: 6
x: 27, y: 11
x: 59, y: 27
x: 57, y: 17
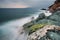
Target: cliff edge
x: 54, y: 6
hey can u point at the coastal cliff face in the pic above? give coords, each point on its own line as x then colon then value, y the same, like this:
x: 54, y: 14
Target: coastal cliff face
x: 54, y: 6
x: 45, y: 27
x: 43, y: 33
x: 38, y: 31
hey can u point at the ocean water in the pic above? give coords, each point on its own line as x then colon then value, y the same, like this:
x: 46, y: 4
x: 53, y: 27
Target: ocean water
x: 12, y: 21
x: 7, y: 14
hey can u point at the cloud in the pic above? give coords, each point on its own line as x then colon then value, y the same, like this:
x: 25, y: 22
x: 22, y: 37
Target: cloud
x: 13, y: 5
x: 39, y: 3
x: 17, y: 6
x: 24, y: 3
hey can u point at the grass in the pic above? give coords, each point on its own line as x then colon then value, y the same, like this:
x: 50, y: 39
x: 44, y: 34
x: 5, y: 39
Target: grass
x: 35, y: 27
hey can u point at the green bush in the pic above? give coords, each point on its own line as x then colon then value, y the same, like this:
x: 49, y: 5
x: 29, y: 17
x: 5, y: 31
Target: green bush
x: 35, y: 27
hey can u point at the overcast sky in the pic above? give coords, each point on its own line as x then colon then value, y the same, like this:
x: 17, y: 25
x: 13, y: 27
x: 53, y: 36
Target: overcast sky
x: 25, y: 3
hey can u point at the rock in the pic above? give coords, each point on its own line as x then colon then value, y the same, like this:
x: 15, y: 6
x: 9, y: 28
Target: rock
x: 54, y: 6
x: 53, y: 34
x: 53, y: 20
x: 43, y: 9
x: 40, y: 33
x: 41, y: 16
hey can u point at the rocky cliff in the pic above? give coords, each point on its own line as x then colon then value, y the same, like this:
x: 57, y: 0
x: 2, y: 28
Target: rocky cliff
x: 54, y: 6
x: 43, y: 32
x: 38, y: 31
x: 51, y: 31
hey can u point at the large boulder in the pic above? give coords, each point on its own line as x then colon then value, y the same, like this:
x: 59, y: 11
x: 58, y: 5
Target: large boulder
x: 54, y: 6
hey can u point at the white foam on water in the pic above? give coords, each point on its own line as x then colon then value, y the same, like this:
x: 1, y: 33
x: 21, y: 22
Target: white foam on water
x: 13, y: 28
x: 46, y: 12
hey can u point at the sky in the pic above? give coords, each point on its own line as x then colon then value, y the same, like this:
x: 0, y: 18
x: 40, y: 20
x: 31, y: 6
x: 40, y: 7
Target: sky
x: 25, y: 3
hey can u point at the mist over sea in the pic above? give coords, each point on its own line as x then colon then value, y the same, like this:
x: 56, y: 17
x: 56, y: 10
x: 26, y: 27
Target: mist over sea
x: 12, y: 21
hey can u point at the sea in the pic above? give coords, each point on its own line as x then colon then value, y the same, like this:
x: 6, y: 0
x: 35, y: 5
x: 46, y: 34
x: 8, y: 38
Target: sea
x: 12, y: 21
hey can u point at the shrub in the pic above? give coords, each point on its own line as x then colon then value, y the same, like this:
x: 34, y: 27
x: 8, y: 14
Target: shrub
x: 35, y: 27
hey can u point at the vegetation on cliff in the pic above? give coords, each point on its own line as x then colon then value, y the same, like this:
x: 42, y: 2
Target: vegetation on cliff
x: 35, y: 27
x: 32, y: 26
x: 43, y: 20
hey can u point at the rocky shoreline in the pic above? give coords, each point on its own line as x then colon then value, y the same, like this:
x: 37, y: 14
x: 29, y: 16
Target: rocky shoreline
x: 52, y: 22
x: 55, y: 6
x: 39, y: 31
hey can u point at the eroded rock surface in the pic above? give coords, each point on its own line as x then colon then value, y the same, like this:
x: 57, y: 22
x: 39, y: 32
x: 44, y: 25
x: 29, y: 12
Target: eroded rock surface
x: 41, y: 32
x: 54, y: 6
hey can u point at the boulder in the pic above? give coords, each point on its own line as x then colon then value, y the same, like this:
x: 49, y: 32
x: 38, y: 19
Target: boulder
x: 54, y: 6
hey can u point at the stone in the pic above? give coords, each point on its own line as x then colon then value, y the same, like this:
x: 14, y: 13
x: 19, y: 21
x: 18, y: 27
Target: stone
x: 54, y: 6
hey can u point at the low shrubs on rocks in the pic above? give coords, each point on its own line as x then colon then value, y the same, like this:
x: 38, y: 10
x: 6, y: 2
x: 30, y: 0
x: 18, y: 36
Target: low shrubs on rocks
x: 35, y: 27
